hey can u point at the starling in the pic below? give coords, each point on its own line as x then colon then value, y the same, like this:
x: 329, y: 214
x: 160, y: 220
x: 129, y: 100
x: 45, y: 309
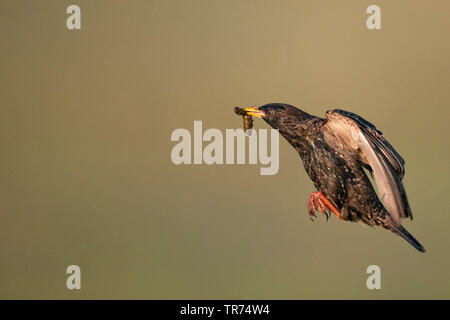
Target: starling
x: 335, y: 151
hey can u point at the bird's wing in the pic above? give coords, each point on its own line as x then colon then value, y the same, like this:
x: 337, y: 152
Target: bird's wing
x: 360, y: 138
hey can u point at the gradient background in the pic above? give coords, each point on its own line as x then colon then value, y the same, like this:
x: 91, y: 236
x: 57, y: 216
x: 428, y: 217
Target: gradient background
x: 85, y: 169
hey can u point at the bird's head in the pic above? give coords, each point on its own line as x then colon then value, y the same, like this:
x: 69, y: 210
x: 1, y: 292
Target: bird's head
x: 278, y: 115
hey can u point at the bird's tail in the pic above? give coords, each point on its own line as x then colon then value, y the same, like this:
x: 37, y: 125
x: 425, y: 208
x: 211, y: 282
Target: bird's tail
x: 408, y: 237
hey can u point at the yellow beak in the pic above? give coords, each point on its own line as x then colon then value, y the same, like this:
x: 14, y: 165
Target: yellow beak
x: 253, y: 111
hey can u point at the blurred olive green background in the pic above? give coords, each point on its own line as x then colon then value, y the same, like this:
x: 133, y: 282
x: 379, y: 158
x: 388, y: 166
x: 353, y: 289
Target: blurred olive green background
x: 85, y: 169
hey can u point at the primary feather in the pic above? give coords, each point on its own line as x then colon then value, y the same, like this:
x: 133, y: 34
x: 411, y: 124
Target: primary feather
x: 347, y: 130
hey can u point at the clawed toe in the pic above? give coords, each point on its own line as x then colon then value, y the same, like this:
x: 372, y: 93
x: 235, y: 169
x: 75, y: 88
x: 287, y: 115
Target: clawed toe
x: 318, y: 202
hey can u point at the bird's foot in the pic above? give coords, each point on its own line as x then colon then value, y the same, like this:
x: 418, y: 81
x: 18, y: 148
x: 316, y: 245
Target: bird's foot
x: 318, y: 202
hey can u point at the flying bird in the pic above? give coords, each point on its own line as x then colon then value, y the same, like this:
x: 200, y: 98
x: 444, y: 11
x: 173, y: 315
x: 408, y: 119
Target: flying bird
x: 335, y: 151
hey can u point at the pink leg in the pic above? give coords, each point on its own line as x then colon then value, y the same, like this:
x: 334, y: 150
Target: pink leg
x: 317, y: 201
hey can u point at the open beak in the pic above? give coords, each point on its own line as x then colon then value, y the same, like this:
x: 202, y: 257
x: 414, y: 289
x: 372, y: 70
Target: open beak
x: 254, y: 111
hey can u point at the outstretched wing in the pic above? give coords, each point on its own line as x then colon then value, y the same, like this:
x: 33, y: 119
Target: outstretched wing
x: 347, y: 131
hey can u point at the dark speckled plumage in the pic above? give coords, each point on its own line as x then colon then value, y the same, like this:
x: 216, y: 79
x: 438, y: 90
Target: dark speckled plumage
x: 335, y: 150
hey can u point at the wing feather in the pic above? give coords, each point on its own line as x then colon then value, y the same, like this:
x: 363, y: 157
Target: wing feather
x: 360, y: 138
x: 376, y: 137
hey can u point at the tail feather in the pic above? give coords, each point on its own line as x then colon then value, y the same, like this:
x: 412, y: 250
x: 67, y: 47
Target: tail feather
x: 408, y: 237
